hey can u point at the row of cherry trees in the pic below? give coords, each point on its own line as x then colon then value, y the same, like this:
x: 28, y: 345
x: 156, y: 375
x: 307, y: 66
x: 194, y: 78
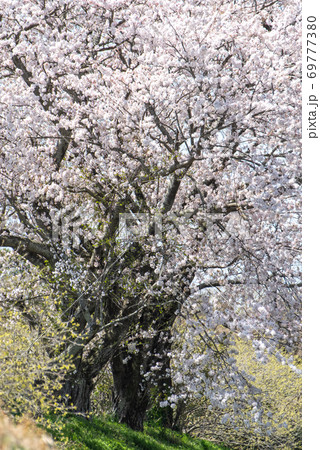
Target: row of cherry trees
x: 182, y: 118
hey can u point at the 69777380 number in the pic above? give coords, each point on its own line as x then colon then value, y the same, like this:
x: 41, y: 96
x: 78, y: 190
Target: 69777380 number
x: 312, y: 74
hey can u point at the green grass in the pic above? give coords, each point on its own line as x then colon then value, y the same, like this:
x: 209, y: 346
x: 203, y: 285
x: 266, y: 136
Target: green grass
x: 103, y: 433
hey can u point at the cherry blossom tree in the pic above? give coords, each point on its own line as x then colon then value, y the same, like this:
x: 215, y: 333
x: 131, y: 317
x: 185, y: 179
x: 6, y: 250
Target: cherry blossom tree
x: 150, y: 151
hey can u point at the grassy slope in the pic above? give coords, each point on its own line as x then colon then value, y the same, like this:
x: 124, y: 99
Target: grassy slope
x: 100, y: 434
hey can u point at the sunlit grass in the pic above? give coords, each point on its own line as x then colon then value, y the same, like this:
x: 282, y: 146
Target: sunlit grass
x: 103, y: 433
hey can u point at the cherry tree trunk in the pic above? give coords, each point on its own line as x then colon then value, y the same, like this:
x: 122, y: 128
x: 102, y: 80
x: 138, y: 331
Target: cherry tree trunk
x: 130, y: 391
x: 164, y: 380
x: 77, y: 391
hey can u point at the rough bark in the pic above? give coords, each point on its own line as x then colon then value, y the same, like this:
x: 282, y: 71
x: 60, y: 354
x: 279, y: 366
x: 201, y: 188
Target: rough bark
x: 164, y: 380
x: 76, y: 391
x: 130, y: 392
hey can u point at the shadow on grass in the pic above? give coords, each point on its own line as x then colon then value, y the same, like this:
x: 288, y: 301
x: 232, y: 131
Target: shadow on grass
x: 100, y: 434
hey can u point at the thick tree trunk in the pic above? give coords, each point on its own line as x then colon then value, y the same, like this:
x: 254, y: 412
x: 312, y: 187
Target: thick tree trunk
x: 76, y: 392
x: 164, y: 382
x: 130, y: 392
x: 164, y: 386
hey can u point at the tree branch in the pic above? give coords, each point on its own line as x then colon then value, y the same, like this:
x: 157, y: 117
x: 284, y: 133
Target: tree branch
x: 35, y: 252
